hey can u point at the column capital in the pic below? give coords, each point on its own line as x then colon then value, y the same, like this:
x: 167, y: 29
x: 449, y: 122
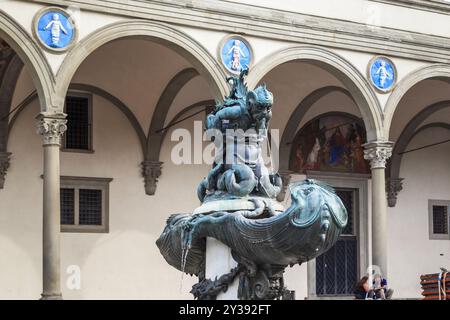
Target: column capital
x: 393, y: 187
x: 377, y: 152
x: 151, y: 170
x: 51, y: 127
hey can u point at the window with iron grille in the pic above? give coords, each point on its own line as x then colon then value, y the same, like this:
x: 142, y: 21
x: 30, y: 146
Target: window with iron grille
x: 84, y: 204
x: 78, y: 136
x: 67, y: 206
x: 337, y: 269
x: 439, y: 219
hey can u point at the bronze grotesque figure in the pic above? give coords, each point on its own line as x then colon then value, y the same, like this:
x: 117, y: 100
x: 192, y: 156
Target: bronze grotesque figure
x: 264, y: 239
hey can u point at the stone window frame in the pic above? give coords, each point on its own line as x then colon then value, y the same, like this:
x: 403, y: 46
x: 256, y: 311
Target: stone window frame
x: 78, y: 183
x: 90, y: 97
x: 438, y: 236
x: 360, y: 183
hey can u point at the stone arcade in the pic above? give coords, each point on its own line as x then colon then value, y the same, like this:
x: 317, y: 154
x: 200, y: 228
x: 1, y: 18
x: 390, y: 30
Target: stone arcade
x: 240, y: 211
x: 362, y: 103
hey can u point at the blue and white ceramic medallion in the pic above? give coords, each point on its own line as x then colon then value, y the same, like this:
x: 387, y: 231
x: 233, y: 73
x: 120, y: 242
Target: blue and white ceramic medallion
x: 235, y: 54
x: 55, y: 29
x: 382, y: 73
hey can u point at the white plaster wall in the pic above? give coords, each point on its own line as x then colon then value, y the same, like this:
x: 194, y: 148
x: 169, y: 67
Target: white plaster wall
x: 194, y: 91
x: 296, y: 278
x: 263, y: 48
x: 123, y: 264
x: 23, y: 88
x: 442, y: 116
x: 427, y: 176
x: 361, y: 60
x: 420, y: 96
x: 290, y: 83
x: 135, y: 71
x: 333, y: 102
x: 369, y: 12
x: 86, y: 21
x: 126, y: 263
x: 363, y: 11
x: 21, y: 214
x: 211, y: 40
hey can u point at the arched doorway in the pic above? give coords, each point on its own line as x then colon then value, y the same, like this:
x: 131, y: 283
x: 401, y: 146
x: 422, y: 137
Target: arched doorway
x: 20, y: 54
x: 158, y: 73
x: 329, y: 148
x: 418, y: 177
x: 314, y: 88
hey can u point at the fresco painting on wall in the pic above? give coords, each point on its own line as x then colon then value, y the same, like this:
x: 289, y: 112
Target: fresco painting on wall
x: 330, y: 143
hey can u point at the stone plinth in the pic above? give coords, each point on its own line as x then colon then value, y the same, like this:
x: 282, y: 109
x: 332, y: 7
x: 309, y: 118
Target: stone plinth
x: 219, y: 262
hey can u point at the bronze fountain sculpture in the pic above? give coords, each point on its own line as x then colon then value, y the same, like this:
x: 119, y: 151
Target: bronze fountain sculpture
x: 239, y: 208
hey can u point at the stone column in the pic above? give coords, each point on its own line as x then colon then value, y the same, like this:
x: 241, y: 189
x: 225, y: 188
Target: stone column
x: 51, y: 127
x: 377, y: 153
x: 219, y: 262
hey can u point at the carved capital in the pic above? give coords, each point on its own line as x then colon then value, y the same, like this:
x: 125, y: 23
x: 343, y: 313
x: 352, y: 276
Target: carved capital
x: 393, y: 187
x: 4, y: 165
x: 51, y: 128
x: 286, y: 176
x: 378, y: 153
x: 151, y: 170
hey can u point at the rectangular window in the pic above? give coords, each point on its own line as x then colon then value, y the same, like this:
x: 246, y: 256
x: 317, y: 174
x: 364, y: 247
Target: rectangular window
x: 90, y: 207
x: 67, y: 206
x: 78, y: 136
x: 439, y: 219
x: 84, y: 204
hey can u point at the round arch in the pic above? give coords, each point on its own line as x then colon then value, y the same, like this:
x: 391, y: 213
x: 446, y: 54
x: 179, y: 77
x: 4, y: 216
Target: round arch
x: 116, y: 102
x: 350, y: 77
x: 435, y: 71
x: 290, y: 130
x: 325, y: 114
x: 33, y: 58
x: 8, y: 84
x: 191, y: 50
x: 410, y: 130
x: 156, y: 147
x: 395, y: 182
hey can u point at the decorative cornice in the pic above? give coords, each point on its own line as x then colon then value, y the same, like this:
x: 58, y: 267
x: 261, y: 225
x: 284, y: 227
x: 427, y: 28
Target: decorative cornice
x: 378, y: 153
x: 51, y: 128
x: 393, y: 187
x: 438, y: 6
x: 151, y: 171
x: 276, y: 24
x: 4, y: 165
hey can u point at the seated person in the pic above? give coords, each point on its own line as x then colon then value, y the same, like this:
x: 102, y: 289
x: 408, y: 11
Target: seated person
x: 380, y: 288
x: 363, y: 290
